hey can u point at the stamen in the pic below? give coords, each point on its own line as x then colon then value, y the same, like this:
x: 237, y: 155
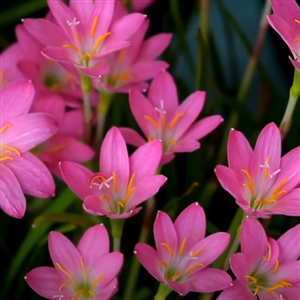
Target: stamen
x: 78, y: 36
x: 57, y: 148
x: 131, y: 180
x: 128, y: 194
x: 105, y: 198
x: 173, y: 142
x: 64, y: 271
x: 190, y: 270
x: 97, y: 280
x: 279, y: 193
x: 256, y: 290
x: 168, y: 248
x: 276, y: 267
x: 92, y: 293
x: 151, y: 138
x: 115, y: 182
x: 121, y: 57
x: 93, y: 29
x: 281, y: 184
x: 120, y: 204
x: 182, y: 246
x: 252, y: 278
x: 12, y: 149
x: 124, y: 76
x: 97, y: 176
x: 161, y: 262
x: 71, y: 47
x: 275, y: 173
x: 297, y: 21
x: 6, y: 158
x: 249, y: 185
x: 152, y: 121
x: 5, y: 127
x: 269, y: 253
x: 194, y: 254
x: 163, y: 122
x: 80, y: 292
x: 100, y: 40
x: 280, y: 284
x: 175, y: 119
x: 86, y: 55
x: 176, y: 273
x: 64, y: 284
x: 85, y: 273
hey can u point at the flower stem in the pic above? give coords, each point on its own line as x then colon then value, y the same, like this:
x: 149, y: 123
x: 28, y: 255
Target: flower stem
x: 102, y: 110
x: 86, y: 87
x: 163, y: 291
x: 294, y: 95
x: 135, y: 265
x: 117, y: 231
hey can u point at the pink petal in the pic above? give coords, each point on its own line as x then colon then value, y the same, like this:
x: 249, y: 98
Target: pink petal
x: 236, y: 291
x: 203, y: 127
x: 84, y: 11
x: 29, y: 130
x: 114, y: 158
x: 141, y: 5
x: 45, y: 281
x: 164, y: 235
x: 239, y: 151
x: 12, y: 200
x: 288, y: 10
x: 181, y: 288
x: 253, y: 240
x: 190, y: 224
x: 77, y: 178
x: 95, y: 206
x: 19, y: 96
x: 72, y: 124
x: 33, y: 176
x: 289, y: 245
x: 145, y: 189
x: 163, y: 88
x: 64, y: 253
x: 94, y: 244
x: 185, y: 145
x: 145, y: 160
x: 131, y: 137
x: 210, y: 280
x: 62, y: 55
x: 95, y: 72
x: 289, y: 271
x: 241, y: 266
x: 107, y: 291
x: 147, y: 256
x: 142, y: 70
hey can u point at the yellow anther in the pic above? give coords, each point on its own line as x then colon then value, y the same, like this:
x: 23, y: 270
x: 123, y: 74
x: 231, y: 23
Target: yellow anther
x: 161, y: 262
x: 97, y: 176
x: 195, y: 266
x: 124, y: 76
x: 256, y: 290
x: 280, y: 185
x: 64, y: 284
x: 176, y: 273
x: 85, y: 273
x: 115, y: 182
x: 128, y: 194
x: 197, y: 252
x: 6, y: 158
x: 249, y: 185
x: 267, y: 258
x: 92, y: 293
x: 54, y: 87
x: 97, y: 280
x: 120, y: 204
x: 175, y: 119
x: 151, y: 138
x: 5, y: 127
x: 63, y: 270
x: 131, y: 180
x: 279, y: 285
x: 252, y: 278
x: 86, y: 55
x: 99, y: 41
x: 71, y: 47
x: 173, y: 142
x: 168, y: 248
x: 57, y: 148
x: 266, y: 201
x: 94, y: 26
x: 182, y: 247
x: 80, y: 292
x: 121, y: 56
x: 79, y: 38
x: 266, y: 173
x: 155, y: 124
x: 276, y: 267
x: 10, y: 148
x: 105, y: 198
x: 163, y: 121
x: 297, y: 21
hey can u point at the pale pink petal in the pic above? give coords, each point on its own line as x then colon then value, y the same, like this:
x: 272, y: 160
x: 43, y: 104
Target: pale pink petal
x: 145, y: 189
x: 145, y: 160
x: 94, y: 244
x: 287, y: 10
x: 114, y: 158
x: 107, y: 291
x: 33, y: 176
x: 62, y: 55
x: 77, y: 178
x: 95, y: 206
x: 95, y: 72
x: 131, y: 137
x: 12, y: 200
x: 144, y: 70
x: 147, y: 256
x: 28, y: 131
x: 240, y: 266
x: 163, y: 88
x: 237, y: 291
x: 72, y: 124
x: 185, y: 145
x: 45, y: 281
x: 210, y: 280
x: 289, y: 271
x: 64, y: 255
x: 289, y: 244
x: 191, y: 224
x: 239, y: 151
x: 84, y: 11
x: 164, y: 235
x: 180, y: 288
x: 19, y: 96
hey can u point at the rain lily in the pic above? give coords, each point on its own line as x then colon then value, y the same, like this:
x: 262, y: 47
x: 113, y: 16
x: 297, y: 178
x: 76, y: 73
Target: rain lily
x: 20, y: 131
x: 183, y: 254
x: 262, y: 182
x: 138, y: 5
x: 265, y: 267
x: 162, y: 118
x: 86, y: 272
x: 122, y: 183
x: 286, y: 21
x: 84, y: 34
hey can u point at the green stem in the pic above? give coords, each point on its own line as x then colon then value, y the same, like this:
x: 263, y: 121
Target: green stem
x: 86, y: 87
x: 163, y: 291
x: 117, y: 231
x: 135, y: 265
x: 294, y: 95
x: 102, y: 110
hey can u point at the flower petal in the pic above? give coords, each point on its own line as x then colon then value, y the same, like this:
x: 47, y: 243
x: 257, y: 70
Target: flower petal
x: 95, y: 206
x: 12, y: 200
x: 237, y: 291
x: 240, y: 266
x: 131, y: 137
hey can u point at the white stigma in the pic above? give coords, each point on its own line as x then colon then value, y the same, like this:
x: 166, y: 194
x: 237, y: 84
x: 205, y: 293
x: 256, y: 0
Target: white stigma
x: 161, y: 109
x: 266, y: 165
x: 105, y: 183
x: 190, y: 256
x: 275, y: 173
x: 73, y: 23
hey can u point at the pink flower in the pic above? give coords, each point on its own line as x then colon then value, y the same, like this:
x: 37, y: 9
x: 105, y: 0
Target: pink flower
x: 86, y: 272
x: 162, y: 118
x: 138, y: 5
x: 262, y: 182
x: 122, y: 183
x: 265, y: 268
x: 21, y: 172
x: 286, y: 21
x: 84, y: 34
x: 65, y: 144
x: 183, y: 254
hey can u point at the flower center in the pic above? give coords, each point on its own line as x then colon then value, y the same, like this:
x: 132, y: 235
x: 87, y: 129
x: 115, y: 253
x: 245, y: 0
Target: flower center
x: 7, y: 152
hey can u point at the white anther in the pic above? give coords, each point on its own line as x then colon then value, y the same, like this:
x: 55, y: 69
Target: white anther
x: 275, y: 173
x: 161, y: 109
x: 73, y: 23
x: 105, y: 183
